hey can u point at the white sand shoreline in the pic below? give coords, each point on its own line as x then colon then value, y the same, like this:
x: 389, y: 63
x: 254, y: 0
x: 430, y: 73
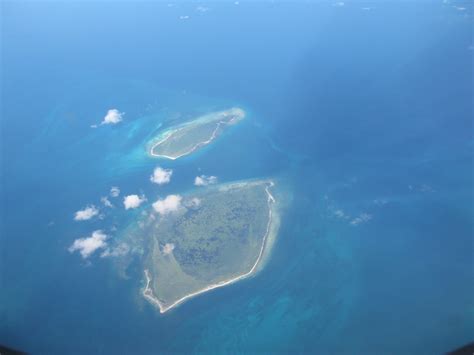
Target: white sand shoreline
x: 148, y: 292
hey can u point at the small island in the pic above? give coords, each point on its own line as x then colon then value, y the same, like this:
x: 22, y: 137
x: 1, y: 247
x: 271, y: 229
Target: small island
x: 183, y: 139
x: 220, y: 234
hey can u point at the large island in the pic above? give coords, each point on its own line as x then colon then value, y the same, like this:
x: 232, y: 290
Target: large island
x: 219, y: 235
x: 183, y: 139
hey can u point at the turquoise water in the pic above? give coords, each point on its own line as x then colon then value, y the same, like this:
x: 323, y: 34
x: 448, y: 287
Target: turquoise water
x: 364, y: 115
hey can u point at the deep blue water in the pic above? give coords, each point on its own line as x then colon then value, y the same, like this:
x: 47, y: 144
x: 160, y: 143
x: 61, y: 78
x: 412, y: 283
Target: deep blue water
x: 357, y: 112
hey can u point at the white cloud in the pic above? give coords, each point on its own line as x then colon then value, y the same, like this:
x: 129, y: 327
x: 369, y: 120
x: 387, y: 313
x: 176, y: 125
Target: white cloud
x: 204, y: 180
x: 113, y: 116
x: 133, y: 201
x: 168, y: 248
x: 86, y: 213
x: 114, y: 191
x: 161, y: 176
x: 87, y: 246
x: 195, y: 202
x: 185, y: 17
x: 106, y: 202
x: 120, y: 250
x: 424, y: 188
x: 340, y: 214
x: 363, y: 217
x: 380, y: 201
x: 170, y: 204
x: 202, y: 9
x: 192, y: 203
x: 339, y: 4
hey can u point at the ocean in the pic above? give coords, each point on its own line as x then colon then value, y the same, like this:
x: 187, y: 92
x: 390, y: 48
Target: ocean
x: 361, y: 110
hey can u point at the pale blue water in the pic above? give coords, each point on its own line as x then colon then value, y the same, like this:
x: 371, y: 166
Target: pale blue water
x: 362, y: 113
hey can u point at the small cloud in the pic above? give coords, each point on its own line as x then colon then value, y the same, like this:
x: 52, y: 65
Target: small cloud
x: 347, y: 218
x: 114, y: 191
x: 202, y: 9
x: 87, y: 246
x: 93, y: 126
x: 423, y: 188
x: 195, y: 202
x: 339, y: 4
x: 460, y: 8
x: 168, y: 205
x: 133, y: 201
x: 113, y: 116
x: 192, y: 203
x: 426, y: 188
x: 340, y: 214
x: 367, y: 8
x: 204, y: 180
x: 86, y: 213
x: 106, y: 202
x: 363, y: 217
x: 168, y: 248
x: 380, y: 201
x: 184, y: 17
x: 236, y: 3
x: 161, y: 176
x: 120, y: 250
